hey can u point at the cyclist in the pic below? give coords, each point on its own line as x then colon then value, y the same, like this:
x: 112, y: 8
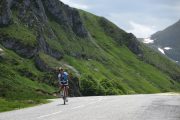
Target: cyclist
x: 63, y: 81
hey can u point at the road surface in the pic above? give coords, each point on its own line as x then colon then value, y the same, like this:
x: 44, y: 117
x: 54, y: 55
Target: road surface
x: 126, y: 107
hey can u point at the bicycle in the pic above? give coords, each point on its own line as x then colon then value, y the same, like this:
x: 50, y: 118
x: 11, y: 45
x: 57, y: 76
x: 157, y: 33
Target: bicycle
x: 64, y: 96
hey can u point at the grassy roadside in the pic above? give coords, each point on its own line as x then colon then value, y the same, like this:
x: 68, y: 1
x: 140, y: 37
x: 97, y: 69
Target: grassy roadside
x: 7, y: 105
x: 21, y: 83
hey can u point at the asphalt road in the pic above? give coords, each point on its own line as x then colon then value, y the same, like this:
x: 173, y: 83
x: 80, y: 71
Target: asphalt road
x: 126, y: 107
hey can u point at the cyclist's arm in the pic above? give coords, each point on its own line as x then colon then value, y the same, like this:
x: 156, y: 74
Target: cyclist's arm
x: 59, y: 80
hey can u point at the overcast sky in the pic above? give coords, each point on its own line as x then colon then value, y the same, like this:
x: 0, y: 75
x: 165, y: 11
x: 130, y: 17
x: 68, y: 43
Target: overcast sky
x: 141, y: 17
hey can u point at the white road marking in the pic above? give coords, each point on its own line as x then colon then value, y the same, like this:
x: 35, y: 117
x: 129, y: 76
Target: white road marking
x: 49, y: 114
x: 78, y: 107
x: 100, y: 99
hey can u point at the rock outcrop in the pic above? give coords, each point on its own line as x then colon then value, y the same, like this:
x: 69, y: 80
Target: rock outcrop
x: 133, y: 44
x: 41, y: 65
x: 5, y: 13
x: 67, y: 16
x: 75, y: 87
x: 43, y: 46
x: 121, y: 36
x: 14, y: 44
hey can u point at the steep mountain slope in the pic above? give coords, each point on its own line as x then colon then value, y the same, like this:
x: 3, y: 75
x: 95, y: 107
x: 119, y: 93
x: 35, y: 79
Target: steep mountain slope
x: 169, y: 41
x: 37, y: 36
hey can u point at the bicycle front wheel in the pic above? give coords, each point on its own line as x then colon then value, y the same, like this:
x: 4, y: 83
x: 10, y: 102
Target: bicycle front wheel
x: 64, y: 95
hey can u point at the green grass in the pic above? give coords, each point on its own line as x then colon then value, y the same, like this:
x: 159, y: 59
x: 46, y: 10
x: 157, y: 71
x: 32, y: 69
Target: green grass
x: 19, y: 90
x: 13, y: 86
x: 20, y: 32
x: 161, y: 62
x: 50, y: 61
x: 68, y: 43
x: 126, y: 75
x: 7, y: 105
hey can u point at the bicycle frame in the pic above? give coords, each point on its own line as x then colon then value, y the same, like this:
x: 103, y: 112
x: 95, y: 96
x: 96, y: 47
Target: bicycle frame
x: 64, y: 94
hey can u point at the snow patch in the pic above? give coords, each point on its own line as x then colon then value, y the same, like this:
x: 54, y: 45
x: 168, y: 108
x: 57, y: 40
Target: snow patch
x: 1, y: 50
x: 177, y: 61
x: 161, y: 50
x: 167, y: 48
x: 148, y: 41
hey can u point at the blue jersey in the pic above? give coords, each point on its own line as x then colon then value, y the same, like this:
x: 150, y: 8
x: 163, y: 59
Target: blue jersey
x: 63, y: 78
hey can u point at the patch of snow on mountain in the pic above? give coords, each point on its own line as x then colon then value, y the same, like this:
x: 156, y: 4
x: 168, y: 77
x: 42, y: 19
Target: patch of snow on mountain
x: 148, y: 41
x: 1, y: 50
x: 161, y: 50
x: 167, y: 48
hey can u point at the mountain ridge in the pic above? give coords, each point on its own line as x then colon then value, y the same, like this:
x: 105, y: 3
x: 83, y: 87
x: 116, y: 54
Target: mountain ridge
x: 168, y: 37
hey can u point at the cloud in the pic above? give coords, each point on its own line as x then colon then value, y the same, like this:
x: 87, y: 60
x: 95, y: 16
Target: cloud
x: 76, y: 5
x: 141, y: 31
x: 148, y: 41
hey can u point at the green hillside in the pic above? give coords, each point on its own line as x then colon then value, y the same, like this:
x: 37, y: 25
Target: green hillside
x: 21, y: 82
x: 101, y: 58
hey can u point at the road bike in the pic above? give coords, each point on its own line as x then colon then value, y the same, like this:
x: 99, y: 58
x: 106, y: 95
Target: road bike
x: 63, y: 94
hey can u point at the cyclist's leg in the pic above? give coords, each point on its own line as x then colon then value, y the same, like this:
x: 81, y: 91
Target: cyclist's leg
x: 60, y: 89
x: 63, y: 90
x: 66, y: 90
x: 61, y: 86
